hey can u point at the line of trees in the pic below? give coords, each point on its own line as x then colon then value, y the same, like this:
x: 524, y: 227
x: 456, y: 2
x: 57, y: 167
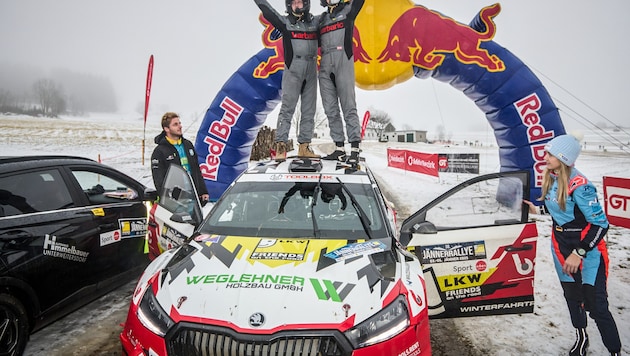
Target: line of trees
x: 63, y: 92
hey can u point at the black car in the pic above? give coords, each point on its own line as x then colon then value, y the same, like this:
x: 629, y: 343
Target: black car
x: 71, y: 230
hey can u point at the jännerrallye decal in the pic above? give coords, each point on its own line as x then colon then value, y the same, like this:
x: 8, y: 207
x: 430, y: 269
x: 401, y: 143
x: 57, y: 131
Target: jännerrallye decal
x: 453, y: 252
x: 133, y: 227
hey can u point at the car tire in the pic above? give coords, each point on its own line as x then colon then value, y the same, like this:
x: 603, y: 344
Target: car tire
x: 14, y: 328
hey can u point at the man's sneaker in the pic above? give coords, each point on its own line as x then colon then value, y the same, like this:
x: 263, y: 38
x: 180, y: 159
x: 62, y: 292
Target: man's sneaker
x: 354, y: 156
x: 281, y: 151
x: 581, y: 343
x: 305, y: 151
x: 337, y: 155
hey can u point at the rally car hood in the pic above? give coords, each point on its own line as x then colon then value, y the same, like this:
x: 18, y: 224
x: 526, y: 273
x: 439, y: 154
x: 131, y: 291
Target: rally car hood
x: 258, y: 284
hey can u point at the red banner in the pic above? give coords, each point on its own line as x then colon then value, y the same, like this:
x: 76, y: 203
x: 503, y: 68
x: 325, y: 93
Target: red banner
x: 425, y: 163
x: 617, y: 200
x: 148, y: 89
x: 396, y: 158
x: 366, y: 119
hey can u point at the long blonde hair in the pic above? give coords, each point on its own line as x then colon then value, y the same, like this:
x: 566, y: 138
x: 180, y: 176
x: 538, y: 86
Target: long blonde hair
x: 563, y: 173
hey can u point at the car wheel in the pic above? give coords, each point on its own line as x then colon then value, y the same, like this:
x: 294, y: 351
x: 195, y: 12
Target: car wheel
x: 14, y: 329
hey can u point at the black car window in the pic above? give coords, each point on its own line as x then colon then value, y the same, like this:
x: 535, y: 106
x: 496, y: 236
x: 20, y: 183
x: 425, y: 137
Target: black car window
x: 32, y: 192
x: 102, y: 189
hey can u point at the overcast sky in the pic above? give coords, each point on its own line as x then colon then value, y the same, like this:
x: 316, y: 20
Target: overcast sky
x: 198, y: 44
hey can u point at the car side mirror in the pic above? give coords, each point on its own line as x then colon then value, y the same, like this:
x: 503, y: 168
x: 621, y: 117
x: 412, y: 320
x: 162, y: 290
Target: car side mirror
x: 150, y: 194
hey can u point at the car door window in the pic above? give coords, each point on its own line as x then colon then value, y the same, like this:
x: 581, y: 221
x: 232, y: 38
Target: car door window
x: 32, y: 192
x: 101, y: 189
x: 489, y: 202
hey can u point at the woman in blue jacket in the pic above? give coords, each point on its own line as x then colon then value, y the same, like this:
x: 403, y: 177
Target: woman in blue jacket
x: 578, y: 245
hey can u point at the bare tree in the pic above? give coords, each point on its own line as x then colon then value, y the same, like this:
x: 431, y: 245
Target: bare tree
x: 50, y: 97
x: 379, y: 121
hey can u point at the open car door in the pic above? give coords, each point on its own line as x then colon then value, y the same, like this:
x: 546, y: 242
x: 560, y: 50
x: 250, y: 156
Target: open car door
x: 178, y: 211
x: 477, y: 248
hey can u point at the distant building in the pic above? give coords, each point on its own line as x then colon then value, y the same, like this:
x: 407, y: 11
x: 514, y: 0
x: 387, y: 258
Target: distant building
x: 405, y: 136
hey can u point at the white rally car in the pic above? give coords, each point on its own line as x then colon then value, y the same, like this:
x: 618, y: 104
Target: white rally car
x: 304, y: 258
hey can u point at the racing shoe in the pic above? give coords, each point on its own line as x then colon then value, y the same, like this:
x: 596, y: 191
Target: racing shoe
x: 353, y: 160
x: 581, y: 343
x: 338, y: 155
x: 305, y: 151
x: 281, y: 151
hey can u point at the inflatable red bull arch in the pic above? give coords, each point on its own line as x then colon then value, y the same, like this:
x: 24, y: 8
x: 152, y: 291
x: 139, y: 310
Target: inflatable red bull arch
x: 420, y: 43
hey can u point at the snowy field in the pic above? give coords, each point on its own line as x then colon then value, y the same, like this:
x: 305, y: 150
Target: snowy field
x: 117, y: 141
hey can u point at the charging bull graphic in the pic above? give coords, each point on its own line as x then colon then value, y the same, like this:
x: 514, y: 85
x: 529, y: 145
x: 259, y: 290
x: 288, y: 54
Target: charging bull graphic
x: 419, y: 43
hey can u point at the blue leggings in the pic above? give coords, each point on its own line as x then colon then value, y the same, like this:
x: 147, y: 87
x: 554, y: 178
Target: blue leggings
x: 582, y: 298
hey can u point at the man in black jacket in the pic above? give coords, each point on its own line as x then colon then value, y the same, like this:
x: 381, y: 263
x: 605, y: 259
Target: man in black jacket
x: 173, y: 148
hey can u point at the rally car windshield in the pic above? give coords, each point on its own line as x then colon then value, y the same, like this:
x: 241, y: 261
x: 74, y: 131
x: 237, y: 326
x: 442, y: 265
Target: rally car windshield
x: 297, y: 209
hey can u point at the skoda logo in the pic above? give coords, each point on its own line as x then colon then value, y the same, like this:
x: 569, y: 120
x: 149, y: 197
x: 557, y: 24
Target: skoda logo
x: 275, y: 177
x: 256, y: 320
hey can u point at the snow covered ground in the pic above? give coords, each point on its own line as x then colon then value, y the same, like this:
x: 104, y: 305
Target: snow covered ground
x: 117, y: 141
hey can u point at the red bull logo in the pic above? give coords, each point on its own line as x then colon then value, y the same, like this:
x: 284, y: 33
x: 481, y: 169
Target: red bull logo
x: 275, y: 62
x: 417, y: 37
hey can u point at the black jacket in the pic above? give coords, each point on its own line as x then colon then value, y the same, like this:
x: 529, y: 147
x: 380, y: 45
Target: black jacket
x: 166, y: 154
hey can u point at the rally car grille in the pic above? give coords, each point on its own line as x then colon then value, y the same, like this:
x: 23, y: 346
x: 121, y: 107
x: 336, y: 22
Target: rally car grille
x: 206, y: 340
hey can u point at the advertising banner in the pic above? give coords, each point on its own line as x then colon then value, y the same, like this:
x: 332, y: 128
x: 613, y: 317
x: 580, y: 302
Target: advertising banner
x: 616, y: 200
x: 396, y: 158
x: 425, y: 163
x: 459, y: 162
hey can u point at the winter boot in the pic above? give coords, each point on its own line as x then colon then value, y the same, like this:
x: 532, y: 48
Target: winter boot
x: 281, y: 151
x: 353, y: 160
x: 581, y: 343
x: 305, y: 151
x: 339, y: 154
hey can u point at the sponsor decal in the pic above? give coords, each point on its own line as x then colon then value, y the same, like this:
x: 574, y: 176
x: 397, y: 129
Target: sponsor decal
x: 356, y: 249
x: 56, y: 249
x: 98, y: 212
x: 208, y: 238
x: 329, y: 290
x: 277, y: 249
x: 265, y: 281
x: 172, y: 237
x: 497, y: 306
x: 617, y: 200
x: 463, y: 293
x: 411, y: 350
x: 133, y: 227
x: 110, y: 237
x: 453, y: 282
x: 465, y: 251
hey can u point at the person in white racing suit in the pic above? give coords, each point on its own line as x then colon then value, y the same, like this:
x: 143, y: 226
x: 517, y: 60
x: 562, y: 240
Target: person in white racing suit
x: 299, y: 81
x: 336, y: 75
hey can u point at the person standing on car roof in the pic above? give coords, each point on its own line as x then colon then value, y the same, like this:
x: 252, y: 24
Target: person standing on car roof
x: 336, y: 75
x: 173, y: 148
x: 299, y: 80
x: 578, y: 245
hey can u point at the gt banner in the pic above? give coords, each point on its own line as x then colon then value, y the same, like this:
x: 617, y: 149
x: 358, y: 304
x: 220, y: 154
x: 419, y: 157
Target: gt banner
x: 617, y: 200
x: 425, y: 163
x: 459, y: 162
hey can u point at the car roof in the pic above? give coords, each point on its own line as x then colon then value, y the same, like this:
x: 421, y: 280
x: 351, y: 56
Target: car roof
x: 306, y: 170
x: 16, y: 163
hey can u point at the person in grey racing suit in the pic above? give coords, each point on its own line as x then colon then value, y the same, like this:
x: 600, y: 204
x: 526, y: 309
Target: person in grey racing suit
x: 336, y: 75
x: 299, y: 80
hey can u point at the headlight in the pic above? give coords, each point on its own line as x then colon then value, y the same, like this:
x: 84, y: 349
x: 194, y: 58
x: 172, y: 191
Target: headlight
x: 152, y: 316
x: 384, y: 325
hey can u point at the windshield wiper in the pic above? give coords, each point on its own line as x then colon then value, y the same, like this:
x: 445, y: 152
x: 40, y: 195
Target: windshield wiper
x: 365, y: 221
x: 316, y: 191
